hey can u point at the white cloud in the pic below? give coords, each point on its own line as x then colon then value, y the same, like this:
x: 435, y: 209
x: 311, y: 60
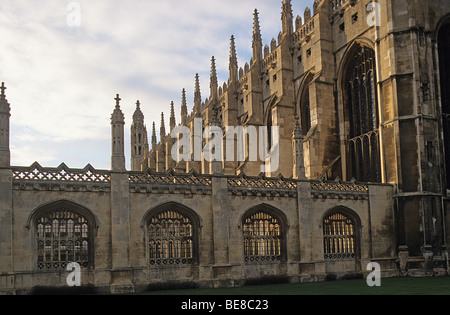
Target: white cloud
x: 62, y: 81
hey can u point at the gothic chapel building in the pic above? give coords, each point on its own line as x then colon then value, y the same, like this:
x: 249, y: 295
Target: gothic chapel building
x: 360, y: 91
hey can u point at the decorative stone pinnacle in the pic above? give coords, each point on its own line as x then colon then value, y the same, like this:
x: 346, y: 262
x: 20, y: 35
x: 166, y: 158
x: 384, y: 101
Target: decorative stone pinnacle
x: 3, y: 88
x: 298, y: 132
x: 117, y: 99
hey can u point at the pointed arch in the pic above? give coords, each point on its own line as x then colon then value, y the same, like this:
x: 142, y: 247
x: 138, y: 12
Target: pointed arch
x: 359, y: 111
x: 268, y: 118
x: 172, y: 231
x: 303, y: 109
x: 63, y: 233
x: 341, y: 234
x: 443, y: 47
x: 264, y: 229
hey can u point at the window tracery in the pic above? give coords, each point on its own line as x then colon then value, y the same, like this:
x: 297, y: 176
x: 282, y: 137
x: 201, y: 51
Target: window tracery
x: 170, y: 238
x: 363, y: 143
x: 339, y: 236
x: 262, y: 237
x: 62, y: 236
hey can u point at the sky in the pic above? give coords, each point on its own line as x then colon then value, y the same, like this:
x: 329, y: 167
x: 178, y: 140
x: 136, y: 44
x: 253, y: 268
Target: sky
x: 63, y: 62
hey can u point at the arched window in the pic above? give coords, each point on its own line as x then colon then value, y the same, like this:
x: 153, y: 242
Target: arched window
x: 444, y: 70
x: 269, y: 129
x: 171, y: 237
x: 340, y: 239
x: 63, y: 235
x: 305, y: 107
x: 361, y: 114
x: 263, y: 237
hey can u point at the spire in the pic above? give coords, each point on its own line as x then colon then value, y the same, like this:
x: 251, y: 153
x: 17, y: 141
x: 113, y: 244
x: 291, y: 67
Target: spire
x: 154, y: 140
x: 173, y: 122
x: 197, y: 96
x: 257, y: 40
x: 213, y: 80
x: 184, y: 109
x: 233, y: 61
x: 162, y: 130
x: 287, y: 17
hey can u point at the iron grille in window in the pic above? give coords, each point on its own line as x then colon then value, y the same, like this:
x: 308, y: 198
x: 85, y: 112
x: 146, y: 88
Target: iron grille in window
x: 338, y: 237
x: 62, y: 238
x: 262, y: 238
x: 363, y: 144
x: 170, y: 239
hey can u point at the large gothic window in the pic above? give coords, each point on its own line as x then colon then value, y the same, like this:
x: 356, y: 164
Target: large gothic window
x: 444, y: 70
x: 339, y: 236
x: 63, y: 236
x: 263, y: 237
x: 171, y: 238
x: 361, y: 114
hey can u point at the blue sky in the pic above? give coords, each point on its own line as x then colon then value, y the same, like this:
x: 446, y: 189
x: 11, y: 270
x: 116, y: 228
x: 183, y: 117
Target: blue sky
x: 62, y: 79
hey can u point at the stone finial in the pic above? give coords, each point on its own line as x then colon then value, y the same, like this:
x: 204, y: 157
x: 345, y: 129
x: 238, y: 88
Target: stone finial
x: 257, y: 40
x: 4, y: 105
x: 172, y: 117
x: 233, y: 55
x: 138, y: 116
x: 297, y: 150
x: 162, y: 129
x: 273, y: 44
x: 3, y: 88
x: 184, y: 109
x: 256, y: 28
x: 233, y: 66
x: 287, y: 17
x: 298, y: 132
x: 117, y: 116
x: 117, y: 99
x: 213, y: 80
x: 197, y: 96
x: 154, y: 140
x: 266, y: 50
x: 298, y: 22
x: 307, y: 14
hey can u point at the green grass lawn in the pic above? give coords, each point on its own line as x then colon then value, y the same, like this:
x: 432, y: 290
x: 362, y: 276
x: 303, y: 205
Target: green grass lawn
x: 389, y: 286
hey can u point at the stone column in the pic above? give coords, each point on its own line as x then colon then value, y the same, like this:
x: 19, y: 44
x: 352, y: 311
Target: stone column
x: 220, y: 213
x: 121, y: 273
x: 6, y: 211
